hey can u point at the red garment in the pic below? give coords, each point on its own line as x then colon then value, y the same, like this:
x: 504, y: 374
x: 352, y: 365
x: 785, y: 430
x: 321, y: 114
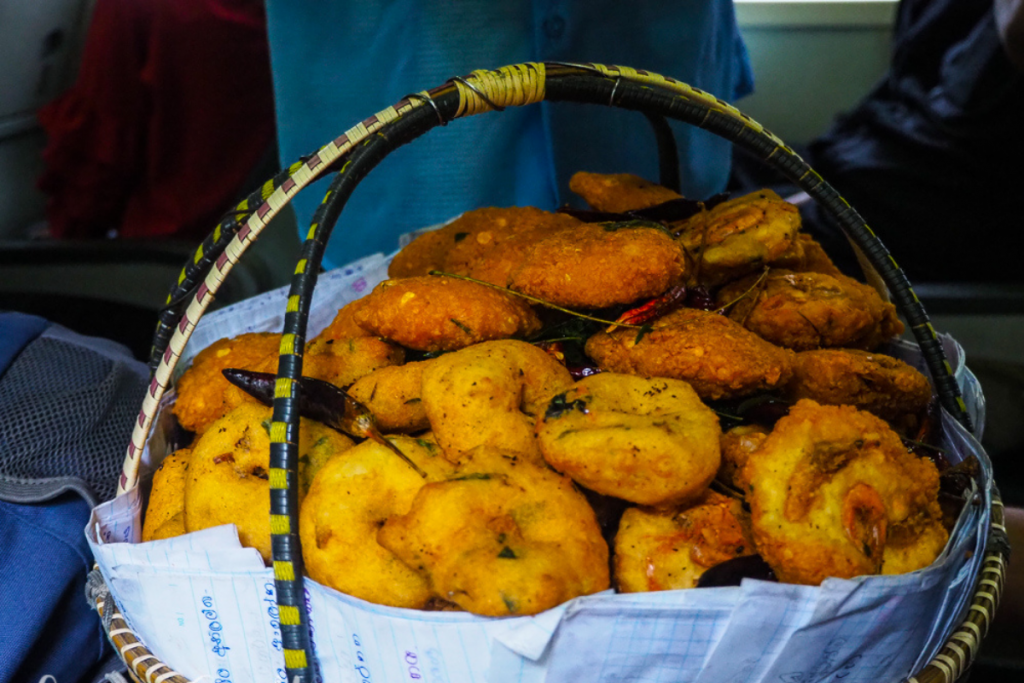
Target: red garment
x: 172, y: 110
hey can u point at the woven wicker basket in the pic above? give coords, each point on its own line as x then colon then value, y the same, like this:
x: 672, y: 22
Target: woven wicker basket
x: 350, y: 157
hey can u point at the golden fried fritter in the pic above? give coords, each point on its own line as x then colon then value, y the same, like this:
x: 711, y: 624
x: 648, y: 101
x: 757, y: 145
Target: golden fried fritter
x: 598, y: 265
x: 441, y: 313
x: 343, y: 361
x: 501, y: 537
x: 453, y: 247
x: 344, y: 325
x: 394, y: 396
x: 490, y: 395
x: 496, y: 266
x: 657, y: 550
x: 813, y: 258
x: 715, y: 355
x: 618, y: 192
x: 737, y: 446
x: 165, y: 513
x: 829, y: 487
x: 228, y: 470
x: 648, y: 441
x: 348, y: 502
x: 204, y: 395
x: 804, y: 311
x: 491, y: 230
x: 874, y: 382
x: 740, y: 236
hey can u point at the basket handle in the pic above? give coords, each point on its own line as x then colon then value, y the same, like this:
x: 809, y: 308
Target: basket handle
x: 369, y: 142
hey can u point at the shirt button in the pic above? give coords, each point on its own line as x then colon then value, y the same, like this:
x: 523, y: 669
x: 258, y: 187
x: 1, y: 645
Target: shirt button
x: 554, y: 27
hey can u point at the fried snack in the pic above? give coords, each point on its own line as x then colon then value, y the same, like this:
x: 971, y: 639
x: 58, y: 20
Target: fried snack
x: 344, y: 325
x: 600, y: 264
x: 648, y: 441
x: 165, y: 513
x: 343, y: 361
x: 453, y: 247
x: 804, y: 311
x: 348, y: 502
x: 491, y: 230
x: 394, y: 396
x: 874, y: 382
x: 737, y: 446
x: 657, y: 550
x: 740, y: 236
x: 204, y: 395
x: 496, y: 266
x: 501, y: 537
x: 442, y: 314
x: 490, y: 395
x: 715, y: 355
x: 228, y: 472
x: 619, y: 192
x: 812, y: 259
x: 828, y: 489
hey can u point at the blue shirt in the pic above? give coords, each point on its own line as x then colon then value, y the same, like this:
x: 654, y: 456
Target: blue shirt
x: 335, y: 64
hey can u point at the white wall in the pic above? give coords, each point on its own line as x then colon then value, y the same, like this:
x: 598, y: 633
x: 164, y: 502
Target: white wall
x: 812, y: 59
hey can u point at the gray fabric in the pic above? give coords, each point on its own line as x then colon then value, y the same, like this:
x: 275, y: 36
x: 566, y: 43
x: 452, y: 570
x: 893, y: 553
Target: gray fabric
x: 68, y: 404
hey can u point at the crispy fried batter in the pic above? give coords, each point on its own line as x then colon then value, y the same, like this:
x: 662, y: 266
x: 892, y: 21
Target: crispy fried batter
x: 715, y: 355
x: 228, y: 470
x: 648, y: 441
x: 441, y: 314
x: 598, y: 265
x: 657, y: 550
x: 738, y: 444
x: 344, y: 325
x: 348, y: 502
x: 490, y: 394
x: 813, y: 258
x: 491, y: 230
x: 804, y: 311
x: 501, y: 537
x: 880, y: 384
x: 165, y: 513
x: 829, y: 487
x: 343, y: 361
x: 204, y: 395
x: 394, y: 396
x: 496, y: 266
x: 618, y: 192
x: 741, y: 236
x: 473, y: 234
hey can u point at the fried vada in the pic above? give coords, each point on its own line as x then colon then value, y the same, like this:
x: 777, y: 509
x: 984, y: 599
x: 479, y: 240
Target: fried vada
x: 717, y: 356
x: 350, y: 499
x: 501, y: 537
x: 442, y: 313
x: 491, y: 394
x: 619, y: 192
x: 228, y: 472
x: 394, y: 396
x: 165, y: 512
x: 601, y: 264
x: 874, y: 382
x: 657, y: 550
x: 804, y: 311
x: 648, y: 441
x: 829, y: 488
x: 740, y: 236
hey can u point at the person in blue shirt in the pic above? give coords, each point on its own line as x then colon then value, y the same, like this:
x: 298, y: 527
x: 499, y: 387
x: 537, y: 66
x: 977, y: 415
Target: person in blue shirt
x: 335, y: 64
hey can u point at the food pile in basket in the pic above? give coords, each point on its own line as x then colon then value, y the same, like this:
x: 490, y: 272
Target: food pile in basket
x: 654, y: 394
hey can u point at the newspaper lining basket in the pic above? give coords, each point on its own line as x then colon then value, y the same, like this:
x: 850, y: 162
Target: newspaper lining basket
x: 358, y: 151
